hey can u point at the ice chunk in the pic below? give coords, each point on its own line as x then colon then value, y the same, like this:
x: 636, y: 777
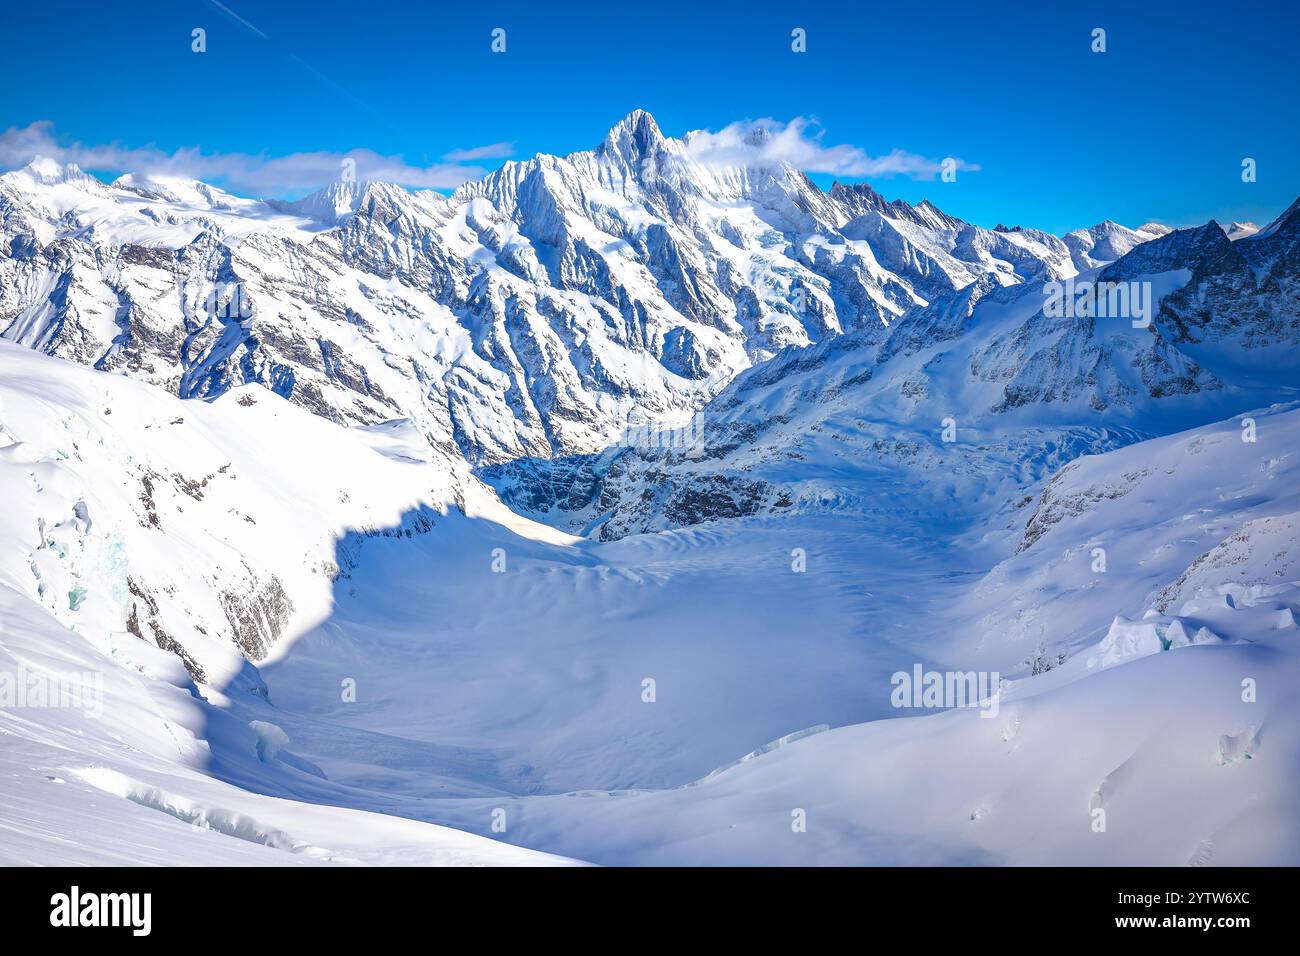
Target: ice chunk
x: 270, y: 739
x: 1179, y: 633
x: 1127, y: 640
x: 1240, y: 747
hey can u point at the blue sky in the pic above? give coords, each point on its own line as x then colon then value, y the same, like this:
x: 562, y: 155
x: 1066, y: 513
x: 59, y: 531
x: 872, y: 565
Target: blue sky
x: 1154, y: 128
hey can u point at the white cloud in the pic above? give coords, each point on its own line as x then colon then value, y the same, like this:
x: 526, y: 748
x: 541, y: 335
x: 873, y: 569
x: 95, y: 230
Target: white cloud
x: 491, y: 151
x: 240, y: 172
x: 801, y: 143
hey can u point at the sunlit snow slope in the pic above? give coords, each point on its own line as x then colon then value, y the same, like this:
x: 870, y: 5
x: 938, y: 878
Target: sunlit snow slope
x: 318, y: 644
x: 149, y: 544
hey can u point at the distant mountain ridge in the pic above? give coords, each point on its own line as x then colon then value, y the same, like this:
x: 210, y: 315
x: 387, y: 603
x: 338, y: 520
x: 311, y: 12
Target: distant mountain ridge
x: 536, y: 312
x: 984, y: 381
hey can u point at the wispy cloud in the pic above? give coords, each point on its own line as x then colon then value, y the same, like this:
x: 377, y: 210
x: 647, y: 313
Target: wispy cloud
x: 801, y: 143
x: 256, y: 174
x: 491, y: 151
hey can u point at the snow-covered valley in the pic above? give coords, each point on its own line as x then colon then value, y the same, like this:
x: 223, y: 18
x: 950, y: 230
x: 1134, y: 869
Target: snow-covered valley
x: 420, y: 706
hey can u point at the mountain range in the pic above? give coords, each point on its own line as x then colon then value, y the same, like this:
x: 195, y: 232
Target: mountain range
x: 536, y: 313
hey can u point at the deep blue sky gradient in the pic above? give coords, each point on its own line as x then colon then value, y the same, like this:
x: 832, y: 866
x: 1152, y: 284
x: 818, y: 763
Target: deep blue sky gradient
x: 1155, y: 128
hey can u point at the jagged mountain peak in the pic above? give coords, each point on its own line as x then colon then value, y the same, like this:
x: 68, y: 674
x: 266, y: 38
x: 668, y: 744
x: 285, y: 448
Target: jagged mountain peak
x: 179, y: 190
x: 1288, y: 221
x: 758, y: 136
x: 633, y: 138
x: 1292, y: 212
x: 1102, y: 228
x: 1240, y: 230
x: 1180, y: 248
x: 334, y: 204
x: 931, y: 215
x: 858, y: 197
x: 1107, y: 241
x: 1153, y: 229
x: 45, y: 171
x: 637, y: 122
x: 329, y: 205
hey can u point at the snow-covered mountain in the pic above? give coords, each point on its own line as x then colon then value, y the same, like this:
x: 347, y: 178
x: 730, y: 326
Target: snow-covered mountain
x: 1022, y: 389
x: 1108, y: 241
x: 535, y: 313
x: 590, y: 514
x: 1239, y: 230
